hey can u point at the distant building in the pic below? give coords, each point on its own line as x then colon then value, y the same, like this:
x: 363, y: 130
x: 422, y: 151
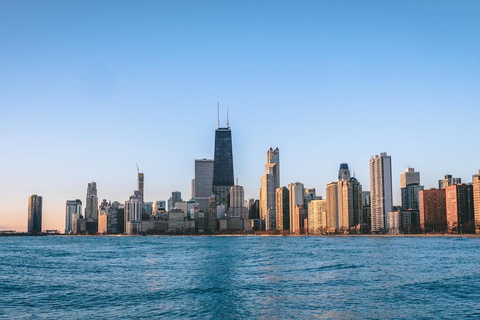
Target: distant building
x: 159, y: 207
x: 73, y: 211
x: 107, y: 218
x: 282, y: 201
x: 270, y: 182
x: 393, y: 222
x: 433, y: 212
x: 448, y: 181
x: 34, y: 214
x: 366, y: 198
x: 380, y: 191
x: 237, y: 202
x: 253, y: 209
x: 365, y: 221
x: 459, y: 203
x: 300, y: 220
x: 344, y: 172
x: 133, y: 213
x: 91, y: 208
x: 317, y: 216
x: 296, y: 194
x: 147, y: 208
x: 203, y: 186
x: 310, y: 195
x: 476, y: 201
x: 141, y: 184
x: 410, y: 187
x: 176, y: 197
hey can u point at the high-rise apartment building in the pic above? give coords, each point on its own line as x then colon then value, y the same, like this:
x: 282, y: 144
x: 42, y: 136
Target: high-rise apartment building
x: 344, y: 201
x: 380, y: 191
x: 310, y: 195
x: 459, y: 203
x: 223, y: 177
x: 133, y: 213
x: 352, y: 210
x: 476, y: 201
x: 448, y: 181
x: 296, y: 194
x: 433, y: 212
x: 334, y: 198
x: 203, y: 186
x: 282, y: 209
x: 34, y: 214
x: 317, y: 216
x: 73, y: 211
x: 410, y: 187
x: 237, y: 202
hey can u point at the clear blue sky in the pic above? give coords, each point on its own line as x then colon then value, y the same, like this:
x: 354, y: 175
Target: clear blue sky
x: 89, y: 88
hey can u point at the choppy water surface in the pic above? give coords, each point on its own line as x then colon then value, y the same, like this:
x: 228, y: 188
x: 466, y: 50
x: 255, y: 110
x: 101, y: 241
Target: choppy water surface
x: 239, y: 277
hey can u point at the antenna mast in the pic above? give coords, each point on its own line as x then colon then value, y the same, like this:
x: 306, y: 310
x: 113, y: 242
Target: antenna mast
x: 138, y: 170
x: 218, y: 114
x: 228, y: 126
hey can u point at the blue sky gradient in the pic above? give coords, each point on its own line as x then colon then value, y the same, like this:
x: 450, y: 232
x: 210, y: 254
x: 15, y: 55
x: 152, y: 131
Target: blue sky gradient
x: 89, y: 88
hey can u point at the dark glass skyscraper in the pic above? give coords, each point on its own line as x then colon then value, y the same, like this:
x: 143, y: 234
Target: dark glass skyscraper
x: 34, y: 214
x: 223, y: 178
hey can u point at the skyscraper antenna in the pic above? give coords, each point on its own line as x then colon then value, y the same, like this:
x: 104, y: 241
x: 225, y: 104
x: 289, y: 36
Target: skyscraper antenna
x: 218, y: 114
x: 237, y: 181
x: 138, y: 170
x: 228, y: 126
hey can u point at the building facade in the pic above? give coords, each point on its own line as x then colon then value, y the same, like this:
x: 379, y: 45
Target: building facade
x: 448, y: 181
x: 282, y: 210
x: 476, y: 201
x: 433, y: 212
x: 317, y: 216
x: 459, y: 205
x: 296, y: 194
x: 380, y: 191
x: 203, y: 186
x: 73, y: 211
x: 35, y: 214
x: 223, y: 176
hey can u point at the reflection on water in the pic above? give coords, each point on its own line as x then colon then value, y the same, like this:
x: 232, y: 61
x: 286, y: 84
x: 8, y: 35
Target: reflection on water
x: 239, y: 277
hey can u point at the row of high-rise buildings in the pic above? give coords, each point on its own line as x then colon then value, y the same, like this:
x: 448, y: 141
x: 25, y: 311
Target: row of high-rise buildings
x: 218, y: 204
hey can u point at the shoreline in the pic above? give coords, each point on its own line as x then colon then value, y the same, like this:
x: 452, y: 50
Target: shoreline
x: 439, y: 235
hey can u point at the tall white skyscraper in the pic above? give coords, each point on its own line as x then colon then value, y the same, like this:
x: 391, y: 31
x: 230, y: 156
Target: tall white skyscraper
x: 296, y: 192
x: 380, y: 190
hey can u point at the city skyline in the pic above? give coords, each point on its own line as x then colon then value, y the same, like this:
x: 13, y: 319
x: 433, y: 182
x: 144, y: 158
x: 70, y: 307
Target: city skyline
x: 325, y: 83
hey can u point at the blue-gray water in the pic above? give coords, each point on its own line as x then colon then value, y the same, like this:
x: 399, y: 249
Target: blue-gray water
x: 239, y: 277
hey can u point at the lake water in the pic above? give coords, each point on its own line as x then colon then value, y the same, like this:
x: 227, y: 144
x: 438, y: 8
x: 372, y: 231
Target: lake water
x: 239, y: 277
